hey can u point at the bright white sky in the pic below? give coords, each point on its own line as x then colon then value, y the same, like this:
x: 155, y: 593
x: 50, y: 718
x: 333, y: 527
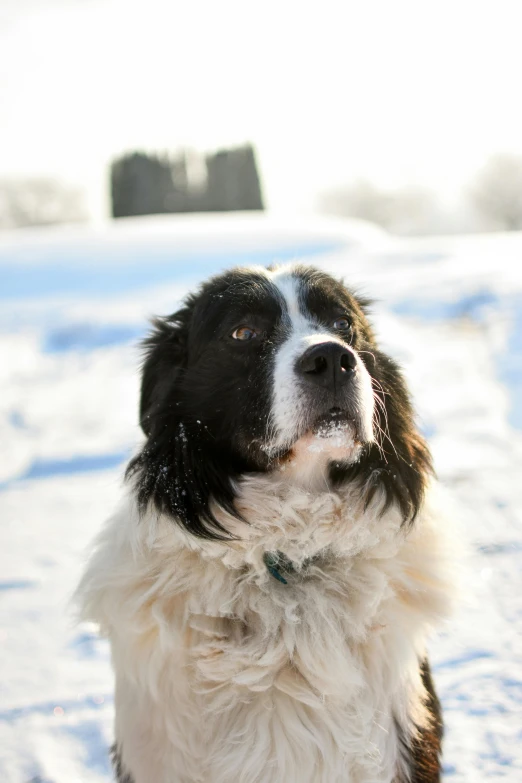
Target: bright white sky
x: 399, y: 91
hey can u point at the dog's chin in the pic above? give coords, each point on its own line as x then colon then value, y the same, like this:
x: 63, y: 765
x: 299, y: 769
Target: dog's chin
x: 330, y: 439
x: 333, y: 437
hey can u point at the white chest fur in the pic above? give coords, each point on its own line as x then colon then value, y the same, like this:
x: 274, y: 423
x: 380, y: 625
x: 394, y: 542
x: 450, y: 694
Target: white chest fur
x: 225, y: 675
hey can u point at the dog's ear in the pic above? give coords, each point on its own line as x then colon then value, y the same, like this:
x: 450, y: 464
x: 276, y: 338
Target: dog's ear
x: 179, y: 470
x: 165, y: 358
x: 397, y: 467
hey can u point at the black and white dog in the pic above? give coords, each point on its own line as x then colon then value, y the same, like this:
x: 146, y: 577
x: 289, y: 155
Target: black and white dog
x: 271, y: 578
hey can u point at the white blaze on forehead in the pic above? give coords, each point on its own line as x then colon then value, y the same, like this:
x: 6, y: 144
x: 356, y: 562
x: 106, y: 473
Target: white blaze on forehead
x: 289, y: 401
x: 288, y: 287
x: 288, y: 405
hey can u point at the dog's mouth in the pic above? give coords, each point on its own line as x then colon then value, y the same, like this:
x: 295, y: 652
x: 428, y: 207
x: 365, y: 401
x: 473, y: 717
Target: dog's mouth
x: 336, y: 417
x: 333, y: 435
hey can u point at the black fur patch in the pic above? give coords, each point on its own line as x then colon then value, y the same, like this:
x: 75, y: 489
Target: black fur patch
x: 120, y: 775
x: 205, y: 401
x: 423, y: 751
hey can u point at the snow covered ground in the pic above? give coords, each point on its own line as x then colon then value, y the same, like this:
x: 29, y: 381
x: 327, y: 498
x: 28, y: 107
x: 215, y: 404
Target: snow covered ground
x: 72, y: 305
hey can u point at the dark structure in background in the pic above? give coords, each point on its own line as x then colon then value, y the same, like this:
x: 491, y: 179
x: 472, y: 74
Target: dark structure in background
x: 145, y: 184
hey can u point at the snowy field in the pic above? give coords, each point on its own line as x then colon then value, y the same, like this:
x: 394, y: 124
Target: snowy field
x: 72, y: 306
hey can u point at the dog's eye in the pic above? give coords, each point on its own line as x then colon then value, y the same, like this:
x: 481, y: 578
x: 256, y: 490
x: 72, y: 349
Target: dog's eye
x: 244, y: 333
x: 342, y: 323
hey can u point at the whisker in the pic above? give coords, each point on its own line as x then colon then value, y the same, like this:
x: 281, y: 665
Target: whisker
x: 380, y: 445
x: 379, y: 386
x: 370, y: 353
x: 382, y: 406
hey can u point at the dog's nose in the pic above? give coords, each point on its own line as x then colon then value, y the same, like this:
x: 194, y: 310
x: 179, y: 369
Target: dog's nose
x: 329, y: 365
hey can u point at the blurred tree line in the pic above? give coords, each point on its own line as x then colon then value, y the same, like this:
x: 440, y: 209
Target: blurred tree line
x: 497, y: 192
x: 39, y: 201
x: 147, y: 184
x: 493, y: 202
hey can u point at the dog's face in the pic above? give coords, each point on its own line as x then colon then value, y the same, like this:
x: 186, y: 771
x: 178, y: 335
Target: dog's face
x: 269, y: 371
x: 271, y: 358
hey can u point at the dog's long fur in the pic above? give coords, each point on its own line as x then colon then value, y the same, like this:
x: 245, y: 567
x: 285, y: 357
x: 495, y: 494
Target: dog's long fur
x: 225, y: 674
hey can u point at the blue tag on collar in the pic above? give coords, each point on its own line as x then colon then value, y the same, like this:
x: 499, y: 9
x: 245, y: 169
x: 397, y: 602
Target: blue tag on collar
x: 277, y: 562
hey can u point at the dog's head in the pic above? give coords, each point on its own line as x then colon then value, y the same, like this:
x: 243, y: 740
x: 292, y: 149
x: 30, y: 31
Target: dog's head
x: 272, y: 370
